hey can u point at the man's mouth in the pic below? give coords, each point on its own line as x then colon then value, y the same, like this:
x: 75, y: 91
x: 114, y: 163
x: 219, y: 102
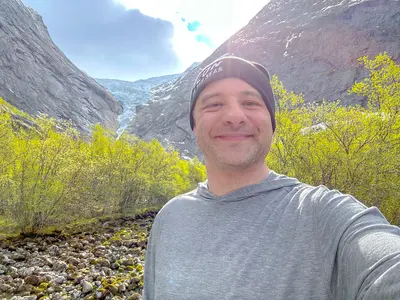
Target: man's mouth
x: 233, y: 137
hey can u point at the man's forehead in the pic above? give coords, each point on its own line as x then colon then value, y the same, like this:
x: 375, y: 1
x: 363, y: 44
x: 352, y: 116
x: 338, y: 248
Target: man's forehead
x: 230, y: 84
x: 208, y: 94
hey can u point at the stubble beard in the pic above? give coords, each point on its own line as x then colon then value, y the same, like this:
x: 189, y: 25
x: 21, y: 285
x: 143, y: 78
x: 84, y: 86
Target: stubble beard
x: 224, y: 161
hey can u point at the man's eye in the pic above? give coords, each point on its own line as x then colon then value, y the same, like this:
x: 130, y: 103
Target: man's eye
x: 214, y: 105
x: 251, y: 103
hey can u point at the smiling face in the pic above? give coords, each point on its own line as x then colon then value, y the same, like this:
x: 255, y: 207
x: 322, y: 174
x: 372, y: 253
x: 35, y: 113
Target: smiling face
x: 232, y: 125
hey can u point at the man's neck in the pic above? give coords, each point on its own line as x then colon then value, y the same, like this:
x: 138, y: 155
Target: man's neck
x: 222, y: 182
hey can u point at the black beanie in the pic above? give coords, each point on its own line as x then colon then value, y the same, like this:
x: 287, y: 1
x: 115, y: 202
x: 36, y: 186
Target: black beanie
x: 231, y: 66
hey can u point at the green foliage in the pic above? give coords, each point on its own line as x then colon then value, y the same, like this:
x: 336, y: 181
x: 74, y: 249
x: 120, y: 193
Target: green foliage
x: 49, y: 176
x: 382, y: 87
x: 353, y: 149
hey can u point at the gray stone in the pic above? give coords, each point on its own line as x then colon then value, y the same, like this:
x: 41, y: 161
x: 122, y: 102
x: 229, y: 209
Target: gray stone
x: 32, y: 280
x: 73, y: 261
x: 69, y: 288
x: 37, y: 261
x: 86, y: 286
x: 18, y: 281
x: 76, y: 294
x: 25, y: 272
x: 5, y: 287
x: 122, y: 287
x: 81, y: 266
x: 59, y: 279
x: 6, y: 260
x: 12, y: 269
x: 97, y: 283
x: 59, y: 296
x: 46, y: 278
x: 21, y: 287
x: 105, y: 263
x: 46, y: 268
x: 47, y: 261
x: 84, y: 255
x: 64, y: 246
x: 128, y: 262
x: 60, y: 266
x: 78, y: 246
x: 100, y: 248
x: 28, y: 288
x: 135, y: 296
x: 54, y: 250
x: 19, y: 256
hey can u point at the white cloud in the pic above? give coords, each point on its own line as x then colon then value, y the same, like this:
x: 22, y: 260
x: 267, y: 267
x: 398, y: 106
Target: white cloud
x: 219, y: 20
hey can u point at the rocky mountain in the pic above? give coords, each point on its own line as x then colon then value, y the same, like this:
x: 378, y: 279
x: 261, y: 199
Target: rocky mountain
x: 312, y: 46
x: 36, y: 77
x: 136, y: 93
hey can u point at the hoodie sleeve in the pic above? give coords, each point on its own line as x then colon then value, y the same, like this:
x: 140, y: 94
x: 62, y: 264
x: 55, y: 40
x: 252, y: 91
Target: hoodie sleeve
x: 150, y: 263
x: 361, y: 250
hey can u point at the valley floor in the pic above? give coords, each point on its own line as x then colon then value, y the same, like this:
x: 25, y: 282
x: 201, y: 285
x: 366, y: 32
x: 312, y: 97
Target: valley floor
x: 105, y: 263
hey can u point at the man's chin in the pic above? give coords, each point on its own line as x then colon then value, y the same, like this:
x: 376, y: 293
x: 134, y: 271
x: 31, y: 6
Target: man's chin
x: 235, y: 163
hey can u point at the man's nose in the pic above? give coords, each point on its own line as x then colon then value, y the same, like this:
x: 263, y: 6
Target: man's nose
x: 233, y: 113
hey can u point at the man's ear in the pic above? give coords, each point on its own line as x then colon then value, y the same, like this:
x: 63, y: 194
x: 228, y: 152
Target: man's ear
x: 194, y: 123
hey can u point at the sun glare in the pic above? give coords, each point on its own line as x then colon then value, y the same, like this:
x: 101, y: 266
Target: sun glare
x: 218, y: 21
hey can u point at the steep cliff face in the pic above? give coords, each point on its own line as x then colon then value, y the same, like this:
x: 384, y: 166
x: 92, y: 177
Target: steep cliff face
x: 35, y: 76
x: 312, y: 46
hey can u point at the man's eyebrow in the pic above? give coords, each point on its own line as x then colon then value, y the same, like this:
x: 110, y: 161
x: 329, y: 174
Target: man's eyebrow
x: 251, y: 93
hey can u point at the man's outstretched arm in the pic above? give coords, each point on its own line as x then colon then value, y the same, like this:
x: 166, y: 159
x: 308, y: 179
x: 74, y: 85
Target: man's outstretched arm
x: 369, y: 257
x: 149, y: 267
x: 363, y: 247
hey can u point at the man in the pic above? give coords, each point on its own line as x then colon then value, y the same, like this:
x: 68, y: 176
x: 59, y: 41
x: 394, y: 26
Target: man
x: 250, y: 233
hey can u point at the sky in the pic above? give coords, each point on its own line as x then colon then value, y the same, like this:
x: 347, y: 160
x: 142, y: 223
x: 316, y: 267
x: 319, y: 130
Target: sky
x: 138, y: 39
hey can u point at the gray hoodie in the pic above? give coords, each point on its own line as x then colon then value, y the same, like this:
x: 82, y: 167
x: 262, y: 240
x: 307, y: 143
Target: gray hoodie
x: 279, y: 240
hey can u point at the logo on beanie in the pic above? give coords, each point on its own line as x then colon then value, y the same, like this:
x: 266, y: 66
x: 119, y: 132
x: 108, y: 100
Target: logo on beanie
x: 207, y: 72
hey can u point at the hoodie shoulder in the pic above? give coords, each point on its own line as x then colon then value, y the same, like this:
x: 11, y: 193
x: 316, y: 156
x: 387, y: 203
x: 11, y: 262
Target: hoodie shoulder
x: 178, y: 202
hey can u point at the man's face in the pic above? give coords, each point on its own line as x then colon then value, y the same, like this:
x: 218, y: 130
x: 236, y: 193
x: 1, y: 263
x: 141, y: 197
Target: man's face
x: 232, y: 125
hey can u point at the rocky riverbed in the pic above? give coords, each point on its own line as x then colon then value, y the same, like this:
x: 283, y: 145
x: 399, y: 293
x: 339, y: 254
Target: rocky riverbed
x: 104, y: 263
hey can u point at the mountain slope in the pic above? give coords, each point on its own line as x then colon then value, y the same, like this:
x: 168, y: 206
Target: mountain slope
x: 35, y: 76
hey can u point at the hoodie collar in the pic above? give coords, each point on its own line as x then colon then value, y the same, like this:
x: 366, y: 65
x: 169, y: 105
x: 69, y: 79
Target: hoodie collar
x: 273, y: 181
